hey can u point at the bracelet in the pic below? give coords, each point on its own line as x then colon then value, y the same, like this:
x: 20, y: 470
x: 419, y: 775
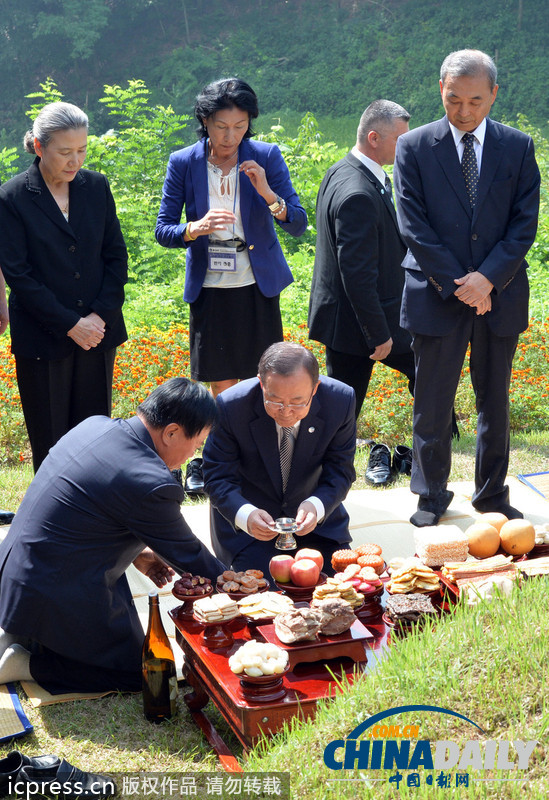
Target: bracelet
x: 191, y: 238
x: 281, y: 208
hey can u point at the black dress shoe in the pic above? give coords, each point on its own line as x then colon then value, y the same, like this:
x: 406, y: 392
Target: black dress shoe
x: 65, y: 781
x: 402, y: 459
x: 6, y: 517
x: 194, y: 479
x: 13, y: 763
x: 378, y: 471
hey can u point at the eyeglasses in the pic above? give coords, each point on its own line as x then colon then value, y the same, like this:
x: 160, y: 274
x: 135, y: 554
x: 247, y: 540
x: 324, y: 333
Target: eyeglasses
x: 287, y: 406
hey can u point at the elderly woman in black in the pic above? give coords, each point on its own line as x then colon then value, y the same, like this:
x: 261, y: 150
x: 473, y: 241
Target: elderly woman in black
x: 65, y: 261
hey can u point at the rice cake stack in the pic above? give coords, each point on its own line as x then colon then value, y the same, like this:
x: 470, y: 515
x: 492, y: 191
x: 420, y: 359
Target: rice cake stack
x: 217, y: 608
x: 437, y: 544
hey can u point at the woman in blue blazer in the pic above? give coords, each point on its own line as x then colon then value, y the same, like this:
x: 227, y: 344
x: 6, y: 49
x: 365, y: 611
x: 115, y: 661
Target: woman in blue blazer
x: 232, y: 190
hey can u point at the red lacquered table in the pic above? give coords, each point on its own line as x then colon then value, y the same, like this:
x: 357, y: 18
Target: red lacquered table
x: 207, y: 672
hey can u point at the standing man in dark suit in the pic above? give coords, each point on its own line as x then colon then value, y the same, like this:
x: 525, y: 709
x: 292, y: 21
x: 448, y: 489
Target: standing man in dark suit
x: 468, y: 198
x: 357, y: 280
x: 242, y: 460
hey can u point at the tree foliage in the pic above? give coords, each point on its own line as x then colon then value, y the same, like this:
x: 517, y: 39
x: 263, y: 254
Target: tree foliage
x: 324, y: 56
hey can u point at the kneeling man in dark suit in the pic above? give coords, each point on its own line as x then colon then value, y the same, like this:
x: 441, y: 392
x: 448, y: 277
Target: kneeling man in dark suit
x: 103, y: 498
x: 246, y: 478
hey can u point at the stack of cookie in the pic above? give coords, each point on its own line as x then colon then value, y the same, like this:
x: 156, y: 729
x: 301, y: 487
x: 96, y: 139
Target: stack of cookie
x: 248, y: 582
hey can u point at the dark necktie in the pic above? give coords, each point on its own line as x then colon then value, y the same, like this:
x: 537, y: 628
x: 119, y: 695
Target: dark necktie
x: 469, y: 167
x: 389, y: 188
x: 286, y: 452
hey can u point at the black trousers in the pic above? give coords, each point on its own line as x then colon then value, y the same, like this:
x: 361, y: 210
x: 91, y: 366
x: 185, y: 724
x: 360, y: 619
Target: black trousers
x: 439, y: 360
x: 356, y: 371
x: 61, y: 675
x: 57, y: 395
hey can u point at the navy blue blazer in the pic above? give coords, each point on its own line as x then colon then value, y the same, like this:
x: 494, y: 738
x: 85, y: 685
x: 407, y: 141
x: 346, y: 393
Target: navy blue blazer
x: 242, y: 461
x: 186, y: 185
x: 100, y: 496
x: 446, y: 239
x: 60, y: 271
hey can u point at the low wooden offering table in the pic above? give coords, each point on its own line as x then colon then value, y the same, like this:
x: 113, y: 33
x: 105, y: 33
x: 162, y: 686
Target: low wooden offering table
x: 311, y: 677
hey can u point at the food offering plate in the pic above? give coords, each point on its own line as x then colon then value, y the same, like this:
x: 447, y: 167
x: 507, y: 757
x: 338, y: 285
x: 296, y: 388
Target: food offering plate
x: 301, y: 593
x: 216, y: 635
x: 254, y: 622
x: 185, y: 611
x: 538, y: 550
x: 401, y: 627
x: 240, y: 595
x: 351, y: 643
x: 263, y: 689
x: 371, y: 606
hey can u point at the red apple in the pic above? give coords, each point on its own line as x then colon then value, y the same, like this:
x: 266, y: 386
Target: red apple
x: 280, y: 566
x: 304, y: 572
x: 314, y: 555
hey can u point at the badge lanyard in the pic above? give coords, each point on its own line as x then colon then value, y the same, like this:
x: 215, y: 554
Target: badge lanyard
x: 222, y: 257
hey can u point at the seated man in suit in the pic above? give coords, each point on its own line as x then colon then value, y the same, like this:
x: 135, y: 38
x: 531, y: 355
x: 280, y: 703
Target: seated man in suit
x: 103, y: 496
x: 242, y: 460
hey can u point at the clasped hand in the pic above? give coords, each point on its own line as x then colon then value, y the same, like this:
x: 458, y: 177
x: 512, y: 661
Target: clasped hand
x: 88, y: 331
x: 474, y: 290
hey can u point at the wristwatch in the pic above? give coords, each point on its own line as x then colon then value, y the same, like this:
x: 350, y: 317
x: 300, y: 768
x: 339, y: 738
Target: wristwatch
x: 274, y: 207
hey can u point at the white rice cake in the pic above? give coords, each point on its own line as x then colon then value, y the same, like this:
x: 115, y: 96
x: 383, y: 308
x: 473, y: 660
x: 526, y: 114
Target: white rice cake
x: 436, y: 544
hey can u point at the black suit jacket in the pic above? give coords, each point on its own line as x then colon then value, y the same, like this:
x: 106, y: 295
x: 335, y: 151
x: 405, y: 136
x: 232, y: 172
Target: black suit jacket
x: 59, y: 271
x: 242, y: 461
x: 99, y: 497
x: 357, y: 280
x: 446, y: 239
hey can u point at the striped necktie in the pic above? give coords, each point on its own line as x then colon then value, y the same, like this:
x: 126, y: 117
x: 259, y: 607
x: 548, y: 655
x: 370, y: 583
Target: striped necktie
x: 286, y: 453
x: 469, y: 167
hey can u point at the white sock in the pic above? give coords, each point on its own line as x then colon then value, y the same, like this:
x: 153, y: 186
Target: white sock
x: 14, y: 664
x: 6, y: 639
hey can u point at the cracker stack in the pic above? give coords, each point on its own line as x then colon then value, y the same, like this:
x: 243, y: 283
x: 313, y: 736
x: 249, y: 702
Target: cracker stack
x: 267, y: 604
x: 413, y: 576
x: 333, y: 588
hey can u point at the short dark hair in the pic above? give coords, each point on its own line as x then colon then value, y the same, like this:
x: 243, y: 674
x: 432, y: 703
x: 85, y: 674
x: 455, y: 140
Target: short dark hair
x: 182, y: 401
x: 285, y: 358
x: 469, y: 62
x: 225, y: 93
x: 379, y: 114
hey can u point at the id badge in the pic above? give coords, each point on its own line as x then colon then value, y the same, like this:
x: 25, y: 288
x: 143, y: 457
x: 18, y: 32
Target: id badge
x: 221, y: 259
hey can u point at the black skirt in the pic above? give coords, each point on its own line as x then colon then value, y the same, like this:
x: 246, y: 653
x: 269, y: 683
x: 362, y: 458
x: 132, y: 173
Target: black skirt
x: 229, y: 330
